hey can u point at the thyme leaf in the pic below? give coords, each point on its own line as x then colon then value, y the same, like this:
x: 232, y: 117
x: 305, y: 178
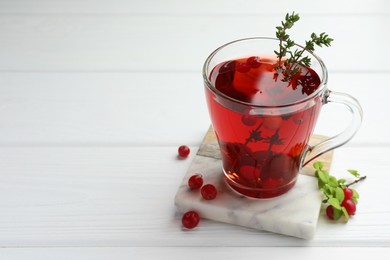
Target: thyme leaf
x: 292, y: 64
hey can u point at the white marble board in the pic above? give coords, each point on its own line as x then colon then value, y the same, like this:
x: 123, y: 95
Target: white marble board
x: 294, y: 213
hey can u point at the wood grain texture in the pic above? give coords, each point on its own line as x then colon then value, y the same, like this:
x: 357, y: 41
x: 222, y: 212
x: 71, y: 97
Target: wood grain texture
x: 124, y: 197
x: 201, y: 7
x: 138, y: 43
x: 142, y: 109
x: 85, y: 161
x: 191, y: 253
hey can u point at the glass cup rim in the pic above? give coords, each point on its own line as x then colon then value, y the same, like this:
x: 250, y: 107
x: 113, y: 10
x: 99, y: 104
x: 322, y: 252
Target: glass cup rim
x: 208, y: 83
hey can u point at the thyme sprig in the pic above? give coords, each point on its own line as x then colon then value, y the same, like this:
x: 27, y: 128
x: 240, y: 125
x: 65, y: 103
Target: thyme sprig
x: 285, y: 43
x: 291, y: 66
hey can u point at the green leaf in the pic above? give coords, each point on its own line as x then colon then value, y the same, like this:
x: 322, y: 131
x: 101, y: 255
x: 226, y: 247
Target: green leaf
x: 337, y: 213
x: 320, y: 184
x: 355, y: 193
x: 334, y: 202
x: 342, y: 181
x: 323, y: 176
x: 339, y: 194
x: 309, y: 46
x: 327, y: 191
x: 333, y: 182
x: 318, y: 165
x: 345, y: 212
x: 355, y: 196
x: 331, y: 190
x: 354, y: 173
x: 306, y: 61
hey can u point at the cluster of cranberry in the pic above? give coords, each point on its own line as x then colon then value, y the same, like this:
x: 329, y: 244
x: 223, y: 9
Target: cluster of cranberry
x: 191, y: 218
x: 347, y: 203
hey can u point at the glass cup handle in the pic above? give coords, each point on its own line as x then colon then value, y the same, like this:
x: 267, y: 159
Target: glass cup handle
x: 354, y: 107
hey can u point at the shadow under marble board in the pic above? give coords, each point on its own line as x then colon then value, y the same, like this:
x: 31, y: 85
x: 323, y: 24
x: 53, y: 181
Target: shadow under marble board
x: 294, y: 213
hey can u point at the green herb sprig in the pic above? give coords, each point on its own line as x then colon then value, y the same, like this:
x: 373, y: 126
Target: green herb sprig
x: 291, y: 66
x: 332, y: 189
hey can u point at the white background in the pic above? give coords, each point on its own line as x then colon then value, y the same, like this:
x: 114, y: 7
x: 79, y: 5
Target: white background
x: 96, y: 96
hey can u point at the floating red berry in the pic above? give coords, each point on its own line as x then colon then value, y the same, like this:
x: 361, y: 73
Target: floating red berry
x: 348, y: 193
x: 190, y: 219
x: 183, y: 151
x: 253, y: 62
x: 248, y: 120
x: 195, y: 182
x: 273, y: 123
x: 209, y: 192
x: 350, y: 206
x: 243, y: 67
x: 330, y: 212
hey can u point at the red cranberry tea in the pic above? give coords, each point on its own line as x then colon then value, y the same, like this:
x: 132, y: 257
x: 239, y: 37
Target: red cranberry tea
x: 261, y: 152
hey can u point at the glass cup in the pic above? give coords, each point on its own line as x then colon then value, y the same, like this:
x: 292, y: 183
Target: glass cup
x: 263, y: 136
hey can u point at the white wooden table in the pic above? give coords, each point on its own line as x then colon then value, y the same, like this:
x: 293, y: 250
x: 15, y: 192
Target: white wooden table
x: 96, y: 96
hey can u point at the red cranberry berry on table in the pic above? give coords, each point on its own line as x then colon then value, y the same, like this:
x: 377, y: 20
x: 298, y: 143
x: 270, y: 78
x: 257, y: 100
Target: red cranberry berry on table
x: 209, y: 192
x: 183, y: 151
x: 195, y: 181
x: 350, y: 206
x: 348, y: 193
x: 329, y: 212
x: 190, y: 219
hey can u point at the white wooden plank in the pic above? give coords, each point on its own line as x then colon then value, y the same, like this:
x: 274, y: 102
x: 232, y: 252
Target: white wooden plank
x: 148, y: 108
x: 192, y: 7
x: 91, y: 196
x: 102, y: 109
x: 371, y: 91
x: 192, y: 253
x: 174, y: 43
x: 124, y: 197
